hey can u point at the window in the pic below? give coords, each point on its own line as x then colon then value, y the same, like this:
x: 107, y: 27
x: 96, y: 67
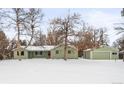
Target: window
x: 18, y: 53
x: 22, y: 53
x: 69, y: 51
x: 114, y: 53
x: 57, y: 51
x: 36, y: 53
x: 40, y: 52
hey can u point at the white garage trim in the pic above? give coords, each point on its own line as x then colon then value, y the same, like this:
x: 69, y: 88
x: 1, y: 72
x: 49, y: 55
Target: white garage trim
x: 91, y: 55
x: 101, y: 52
x: 110, y: 55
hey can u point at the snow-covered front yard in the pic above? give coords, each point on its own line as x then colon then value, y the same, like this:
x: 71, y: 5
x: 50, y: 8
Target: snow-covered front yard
x: 60, y: 71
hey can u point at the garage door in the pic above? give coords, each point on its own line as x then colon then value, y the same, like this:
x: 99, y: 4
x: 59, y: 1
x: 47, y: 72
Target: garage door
x: 101, y: 55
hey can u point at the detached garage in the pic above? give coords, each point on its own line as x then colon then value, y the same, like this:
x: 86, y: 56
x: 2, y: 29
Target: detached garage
x: 104, y: 52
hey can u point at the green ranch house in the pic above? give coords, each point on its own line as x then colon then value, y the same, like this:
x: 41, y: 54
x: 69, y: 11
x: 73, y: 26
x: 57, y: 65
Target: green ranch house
x: 54, y: 52
x: 104, y: 52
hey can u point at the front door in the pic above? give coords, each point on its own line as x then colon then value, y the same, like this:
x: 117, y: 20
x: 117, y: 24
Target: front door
x: 30, y: 54
x: 49, y: 54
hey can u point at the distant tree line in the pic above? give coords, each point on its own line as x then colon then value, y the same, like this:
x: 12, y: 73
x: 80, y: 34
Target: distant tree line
x: 119, y: 43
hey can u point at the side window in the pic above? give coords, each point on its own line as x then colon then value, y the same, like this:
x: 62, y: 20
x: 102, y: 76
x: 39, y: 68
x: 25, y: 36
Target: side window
x: 22, y: 53
x: 36, y: 53
x: 114, y: 53
x: 40, y: 52
x: 69, y: 51
x: 57, y: 51
x: 18, y: 53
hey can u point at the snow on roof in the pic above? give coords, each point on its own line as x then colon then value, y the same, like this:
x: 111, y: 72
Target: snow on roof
x: 38, y: 48
x: 67, y: 46
x: 42, y: 48
x: 121, y: 52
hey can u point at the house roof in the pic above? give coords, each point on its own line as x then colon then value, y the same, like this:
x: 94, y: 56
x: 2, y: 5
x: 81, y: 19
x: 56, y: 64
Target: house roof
x: 121, y: 52
x: 104, y: 48
x: 71, y: 46
x: 42, y: 48
x: 88, y: 49
x: 38, y: 48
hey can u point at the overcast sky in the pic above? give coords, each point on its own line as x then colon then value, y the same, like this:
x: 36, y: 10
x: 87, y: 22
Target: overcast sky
x: 97, y: 17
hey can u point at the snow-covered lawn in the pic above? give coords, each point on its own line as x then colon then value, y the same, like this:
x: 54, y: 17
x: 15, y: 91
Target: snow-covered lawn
x: 60, y: 71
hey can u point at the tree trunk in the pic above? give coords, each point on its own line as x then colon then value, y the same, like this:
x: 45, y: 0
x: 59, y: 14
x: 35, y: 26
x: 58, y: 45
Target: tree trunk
x: 18, y: 28
x: 65, y: 47
x: 94, y: 39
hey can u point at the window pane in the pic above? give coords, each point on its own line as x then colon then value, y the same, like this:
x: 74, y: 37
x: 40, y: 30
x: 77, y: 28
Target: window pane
x: 22, y: 53
x: 36, y: 53
x: 40, y: 52
x: 18, y: 53
x: 57, y: 52
x: 69, y: 51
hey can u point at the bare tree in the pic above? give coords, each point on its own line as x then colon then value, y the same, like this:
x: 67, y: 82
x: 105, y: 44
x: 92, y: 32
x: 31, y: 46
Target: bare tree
x: 40, y: 40
x: 54, y: 36
x: 103, y: 37
x: 90, y: 37
x: 67, y: 25
x: 119, y: 43
x: 4, y: 43
x: 120, y: 26
x: 32, y: 24
x: 85, y: 38
x: 14, y: 20
x: 24, y: 21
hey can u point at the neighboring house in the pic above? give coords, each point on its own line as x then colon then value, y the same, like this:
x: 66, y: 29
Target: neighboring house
x: 32, y: 52
x: 121, y: 55
x: 104, y: 52
x: 54, y: 52
x: 58, y: 52
x: 121, y: 52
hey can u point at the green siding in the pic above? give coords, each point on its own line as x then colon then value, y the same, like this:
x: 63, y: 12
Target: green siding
x: 73, y: 54
x: 106, y: 49
x: 86, y: 55
x: 101, y: 53
x: 114, y: 56
x: 25, y: 56
x: 32, y: 54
